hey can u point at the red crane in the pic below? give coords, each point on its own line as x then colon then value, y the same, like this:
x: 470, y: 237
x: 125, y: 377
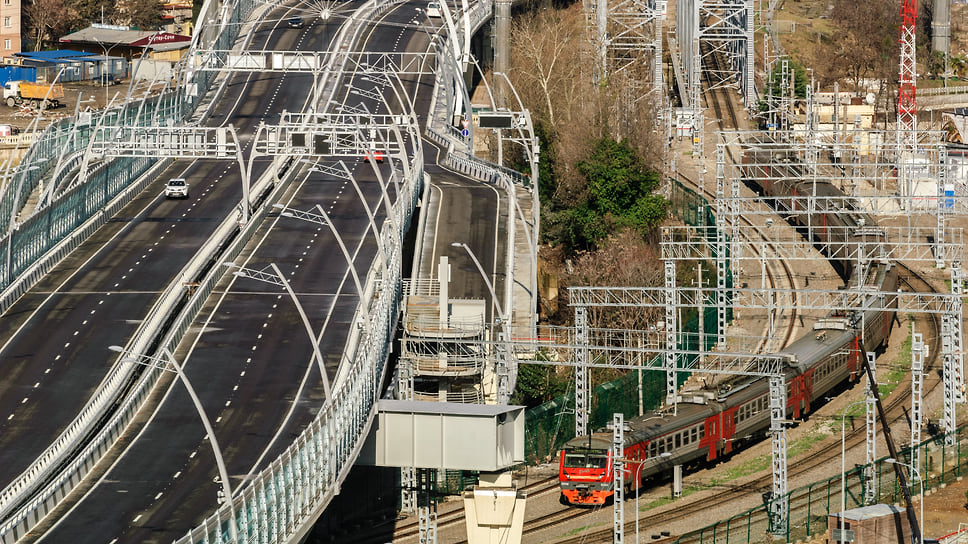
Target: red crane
x: 907, y: 99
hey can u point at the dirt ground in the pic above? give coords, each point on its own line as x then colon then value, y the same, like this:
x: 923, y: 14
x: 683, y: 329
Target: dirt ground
x: 91, y: 96
x: 946, y: 509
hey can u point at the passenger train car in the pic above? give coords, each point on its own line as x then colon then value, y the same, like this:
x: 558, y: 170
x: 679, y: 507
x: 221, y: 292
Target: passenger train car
x: 705, y: 424
x: 831, y: 222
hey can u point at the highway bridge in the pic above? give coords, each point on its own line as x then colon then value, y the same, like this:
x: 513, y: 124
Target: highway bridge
x: 272, y: 291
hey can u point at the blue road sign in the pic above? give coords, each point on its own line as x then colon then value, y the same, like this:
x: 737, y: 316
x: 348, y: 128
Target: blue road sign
x: 465, y: 133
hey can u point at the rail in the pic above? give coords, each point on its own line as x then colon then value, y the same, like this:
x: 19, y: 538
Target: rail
x: 320, y: 458
x: 810, y: 506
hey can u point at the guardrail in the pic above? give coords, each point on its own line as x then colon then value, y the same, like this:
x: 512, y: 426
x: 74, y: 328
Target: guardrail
x: 281, y: 503
x: 334, y: 437
x: 43, y: 239
x: 485, y: 171
x: 54, y: 454
x: 943, y: 91
x: 27, y: 243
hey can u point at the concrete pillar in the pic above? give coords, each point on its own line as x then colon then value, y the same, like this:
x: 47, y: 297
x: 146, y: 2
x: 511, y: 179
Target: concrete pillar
x: 941, y: 26
x: 502, y: 46
x: 494, y: 511
x: 443, y: 278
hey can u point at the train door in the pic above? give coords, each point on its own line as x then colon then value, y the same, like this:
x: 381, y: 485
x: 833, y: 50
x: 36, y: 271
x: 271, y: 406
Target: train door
x: 729, y: 429
x: 853, y: 359
x: 710, y: 437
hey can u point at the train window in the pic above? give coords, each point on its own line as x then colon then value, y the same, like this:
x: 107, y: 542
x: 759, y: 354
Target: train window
x: 702, y: 432
x: 695, y: 433
x: 678, y: 437
x: 582, y: 460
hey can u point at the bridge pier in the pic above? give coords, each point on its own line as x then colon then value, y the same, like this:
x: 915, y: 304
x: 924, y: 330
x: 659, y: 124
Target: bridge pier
x: 502, y: 47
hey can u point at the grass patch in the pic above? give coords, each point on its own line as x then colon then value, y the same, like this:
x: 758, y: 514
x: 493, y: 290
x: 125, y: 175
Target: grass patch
x: 898, y: 369
x: 655, y: 504
x: 580, y: 530
x: 804, y: 444
x: 752, y: 466
x: 666, y: 500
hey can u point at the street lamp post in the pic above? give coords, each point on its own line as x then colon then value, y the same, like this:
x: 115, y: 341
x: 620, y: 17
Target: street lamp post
x: 164, y: 364
x: 322, y: 218
x: 107, y: 50
x: 487, y: 281
x: 503, y: 393
x: 843, y: 462
x: 913, y: 470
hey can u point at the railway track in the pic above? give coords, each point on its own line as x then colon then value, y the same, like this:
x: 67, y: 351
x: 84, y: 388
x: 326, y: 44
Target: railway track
x: 689, y: 509
x: 826, y: 454
x: 820, y: 457
x: 455, y: 517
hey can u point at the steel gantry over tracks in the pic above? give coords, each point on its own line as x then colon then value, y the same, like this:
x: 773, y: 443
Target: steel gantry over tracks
x: 726, y: 26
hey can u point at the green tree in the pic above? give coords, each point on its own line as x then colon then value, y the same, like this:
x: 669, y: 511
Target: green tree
x: 776, y: 85
x: 142, y: 14
x: 619, y: 195
x: 537, y: 384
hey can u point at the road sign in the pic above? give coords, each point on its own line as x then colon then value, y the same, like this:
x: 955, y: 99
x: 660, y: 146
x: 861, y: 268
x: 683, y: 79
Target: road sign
x: 465, y: 122
x: 842, y: 535
x: 495, y: 119
x: 465, y: 133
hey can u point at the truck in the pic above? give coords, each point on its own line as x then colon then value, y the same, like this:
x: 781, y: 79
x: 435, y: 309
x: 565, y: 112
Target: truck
x: 16, y: 93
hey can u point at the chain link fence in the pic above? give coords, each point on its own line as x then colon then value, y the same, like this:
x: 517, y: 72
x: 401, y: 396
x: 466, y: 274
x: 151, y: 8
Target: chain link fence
x: 550, y: 425
x: 811, y: 505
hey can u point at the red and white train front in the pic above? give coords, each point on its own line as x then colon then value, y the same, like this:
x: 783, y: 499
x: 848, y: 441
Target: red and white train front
x: 585, y: 471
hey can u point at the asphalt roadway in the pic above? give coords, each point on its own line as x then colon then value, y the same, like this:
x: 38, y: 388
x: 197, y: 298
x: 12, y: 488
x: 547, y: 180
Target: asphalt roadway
x: 460, y: 210
x: 247, y: 355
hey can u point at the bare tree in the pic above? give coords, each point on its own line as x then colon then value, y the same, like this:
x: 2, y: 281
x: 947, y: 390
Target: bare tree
x: 866, y: 45
x: 48, y: 20
x: 546, y: 60
x: 626, y: 260
x: 143, y: 14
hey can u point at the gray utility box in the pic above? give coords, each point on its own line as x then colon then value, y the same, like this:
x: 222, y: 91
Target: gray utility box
x: 445, y: 435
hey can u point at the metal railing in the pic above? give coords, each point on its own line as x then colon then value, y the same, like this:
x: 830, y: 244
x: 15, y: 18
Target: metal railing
x: 280, y: 502
x: 811, y: 505
x: 944, y: 91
